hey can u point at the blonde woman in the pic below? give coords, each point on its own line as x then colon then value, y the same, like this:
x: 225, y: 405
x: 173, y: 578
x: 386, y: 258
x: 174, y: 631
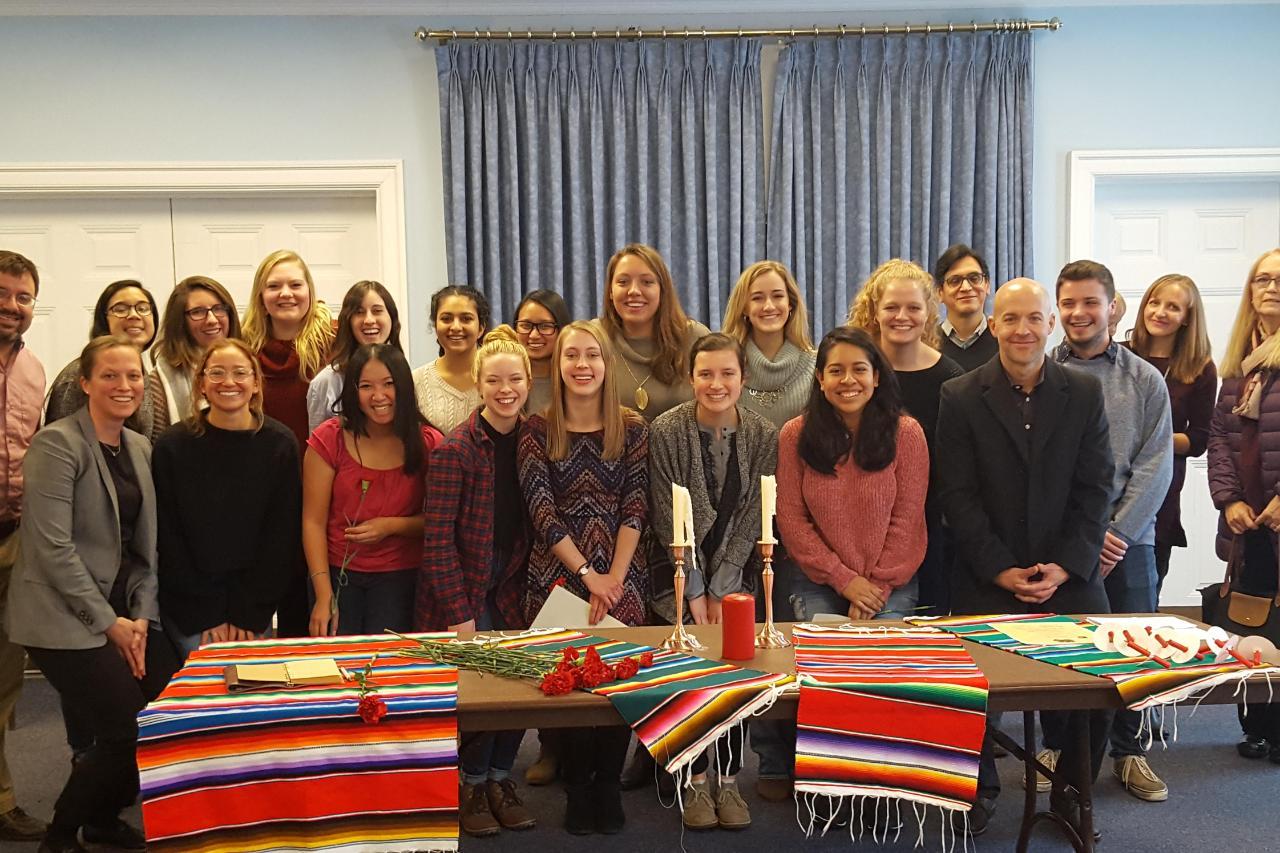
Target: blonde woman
x: 584, y: 472
x: 648, y: 330
x: 216, y: 587
x: 1244, y: 473
x: 766, y: 315
x: 1171, y: 334
x: 199, y: 313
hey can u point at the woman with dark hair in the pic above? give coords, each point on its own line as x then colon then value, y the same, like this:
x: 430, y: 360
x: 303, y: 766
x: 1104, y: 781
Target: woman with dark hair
x: 853, y: 454
x: 363, y: 478
x: 539, y: 318
x: 368, y: 316
x: 199, y: 313
x: 124, y: 309
x: 216, y: 587
x: 446, y: 386
x: 83, y: 594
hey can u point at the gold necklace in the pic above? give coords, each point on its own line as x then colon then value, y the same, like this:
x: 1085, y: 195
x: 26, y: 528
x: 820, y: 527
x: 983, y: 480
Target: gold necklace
x: 641, y: 395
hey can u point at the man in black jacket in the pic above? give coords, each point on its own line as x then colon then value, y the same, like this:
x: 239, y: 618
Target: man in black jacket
x: 1024, y: 475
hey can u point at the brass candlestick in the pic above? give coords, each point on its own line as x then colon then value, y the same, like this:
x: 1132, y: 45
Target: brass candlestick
x: 769, y: 637
x: 680, y: 640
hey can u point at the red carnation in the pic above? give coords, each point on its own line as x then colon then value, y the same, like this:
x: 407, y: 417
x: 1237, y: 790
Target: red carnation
x: 593, y: 657
x: 576, y: 676
x: 557, y: 683
x: 646, y: 659
x: 565, y: 667
x: 594, y: 677
x: 372, y: 709
x: 569, y: 653
x: 626, y: 668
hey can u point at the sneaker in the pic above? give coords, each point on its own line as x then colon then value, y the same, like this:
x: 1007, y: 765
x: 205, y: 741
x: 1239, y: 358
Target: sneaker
x: 119, y: 835
x: 774, y: 790
x: 1139, y: 779
x: 731, y: 809
x: 1049, y: 758
x: 17, y: 825
x: 543, y: 771
x: 699, y: 808
x: 474, y: 816
x: 506, y: 805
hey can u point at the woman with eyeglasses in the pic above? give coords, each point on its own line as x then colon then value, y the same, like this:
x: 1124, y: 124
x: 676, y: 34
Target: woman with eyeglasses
x: 125, y: 309
x: 963, y: 282
x: 539, y: 318
x: 226, y: 552
x: 364, y: 476
x: 368, y: 316
x: 199, y: 313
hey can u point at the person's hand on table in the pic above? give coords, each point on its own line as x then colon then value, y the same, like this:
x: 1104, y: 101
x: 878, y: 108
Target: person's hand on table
x: 1270, y: 515
x: 216, y: 634
x: 239, y: 635
x: 714, y: 610
x: 698, y: 610
x: 324, y: 618
x: 865, y: 601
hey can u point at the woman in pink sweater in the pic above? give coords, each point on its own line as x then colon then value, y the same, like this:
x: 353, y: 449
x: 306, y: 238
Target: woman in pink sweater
x: 853, y: 471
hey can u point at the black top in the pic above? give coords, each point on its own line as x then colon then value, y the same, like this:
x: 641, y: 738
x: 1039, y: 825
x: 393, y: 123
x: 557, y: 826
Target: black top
x: 719, y: 454
x: 978, y: 353
x: 229, y: 512
x: 508, y: 500
x: 921, y: 390
x: 129, y: 502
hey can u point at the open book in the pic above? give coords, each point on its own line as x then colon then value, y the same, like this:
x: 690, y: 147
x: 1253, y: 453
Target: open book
x: 304, y: 672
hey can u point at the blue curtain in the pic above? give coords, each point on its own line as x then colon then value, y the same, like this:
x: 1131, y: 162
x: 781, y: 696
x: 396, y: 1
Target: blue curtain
x: 898, y: 146
x: 558, y: 153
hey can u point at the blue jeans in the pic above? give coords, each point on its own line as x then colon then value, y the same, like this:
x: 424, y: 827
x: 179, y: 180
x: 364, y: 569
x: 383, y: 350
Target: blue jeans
x: 809, y: 599
x: 488, y: 755
x: 372, y: 602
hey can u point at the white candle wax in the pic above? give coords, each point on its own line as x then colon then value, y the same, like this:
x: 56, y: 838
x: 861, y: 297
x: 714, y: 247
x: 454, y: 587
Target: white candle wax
x: 768, y: 506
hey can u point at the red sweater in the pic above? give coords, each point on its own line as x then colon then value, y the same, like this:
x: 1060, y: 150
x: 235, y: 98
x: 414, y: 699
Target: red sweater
x: 855, y: 522
x: 284, y: 392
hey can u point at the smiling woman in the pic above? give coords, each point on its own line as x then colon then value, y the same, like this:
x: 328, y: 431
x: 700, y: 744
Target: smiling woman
x: 368, y: 316
x: 199, y: 313
x: 446, y: 387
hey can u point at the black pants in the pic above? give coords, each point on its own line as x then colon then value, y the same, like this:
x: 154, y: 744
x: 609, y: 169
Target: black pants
x: 1259, y: 576
x: 594, y: 755
x: 728, y: 748
x: 98, y: 683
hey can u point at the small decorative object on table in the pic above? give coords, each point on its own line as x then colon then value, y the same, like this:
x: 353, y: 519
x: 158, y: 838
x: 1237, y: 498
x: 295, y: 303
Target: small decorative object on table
x: 769, y: 637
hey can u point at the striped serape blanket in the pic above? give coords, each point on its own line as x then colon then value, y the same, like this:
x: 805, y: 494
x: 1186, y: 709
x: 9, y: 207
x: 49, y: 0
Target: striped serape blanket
x: 888, y: 714
x: 298, y: 769
x: 678, y: 706
x: 1141, y: 682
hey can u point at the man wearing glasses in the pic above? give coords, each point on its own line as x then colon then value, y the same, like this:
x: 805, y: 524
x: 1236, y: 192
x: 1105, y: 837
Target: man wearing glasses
x: 21, y: 399
x: 963, y: 282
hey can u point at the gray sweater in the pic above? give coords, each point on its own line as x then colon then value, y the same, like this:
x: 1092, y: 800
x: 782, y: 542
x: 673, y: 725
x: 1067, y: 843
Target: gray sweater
x: 778, y: 388
x: 1141, y: 428
x: 675, y: 456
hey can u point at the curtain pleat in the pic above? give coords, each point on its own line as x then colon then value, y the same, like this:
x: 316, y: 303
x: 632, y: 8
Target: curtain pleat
x: 897, y: 147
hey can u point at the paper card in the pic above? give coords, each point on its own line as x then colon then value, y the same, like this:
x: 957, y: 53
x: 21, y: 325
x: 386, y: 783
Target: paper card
x: 828, y: 618
x: 1141, y: 622
x: 563, y: 609
x: 1047, y: 633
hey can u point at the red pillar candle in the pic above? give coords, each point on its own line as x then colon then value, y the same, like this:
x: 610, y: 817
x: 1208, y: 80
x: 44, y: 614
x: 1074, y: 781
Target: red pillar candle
x: 738, y: 624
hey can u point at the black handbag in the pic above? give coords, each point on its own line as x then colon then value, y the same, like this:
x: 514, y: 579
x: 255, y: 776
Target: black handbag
x: 1240, y: 612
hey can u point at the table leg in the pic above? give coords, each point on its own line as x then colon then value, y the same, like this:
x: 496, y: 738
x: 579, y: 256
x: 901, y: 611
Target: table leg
x: 1084, y: 779
x: 1080, y: 838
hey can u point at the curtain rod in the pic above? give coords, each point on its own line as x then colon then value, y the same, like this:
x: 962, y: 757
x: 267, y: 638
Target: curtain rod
x: 999, y: 26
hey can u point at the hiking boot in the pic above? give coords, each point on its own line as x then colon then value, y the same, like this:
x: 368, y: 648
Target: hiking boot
x: 1139, y: 779
x: 774, y: 790
x: 731, y: 809
x: 699, y: 808
x: 474, y: 816
x: 506, y: 805
x: 17, y: 825
x: 543, y: 771
x: 1049, y: 758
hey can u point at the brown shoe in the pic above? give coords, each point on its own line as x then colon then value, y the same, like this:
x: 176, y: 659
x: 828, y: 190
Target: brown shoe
x: 699, y: 808
x: 17, y: 825
x: 507, y: 806
x: 731, y: 809
x: 475, y: 817
x: 543, y: 771
x: 774, y: 790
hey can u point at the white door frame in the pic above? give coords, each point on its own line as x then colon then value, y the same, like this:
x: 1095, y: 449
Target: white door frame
x: 1087, y: 168
x: 381, y: 179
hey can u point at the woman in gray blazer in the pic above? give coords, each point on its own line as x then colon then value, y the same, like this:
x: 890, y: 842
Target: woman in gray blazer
x: 83, y: 596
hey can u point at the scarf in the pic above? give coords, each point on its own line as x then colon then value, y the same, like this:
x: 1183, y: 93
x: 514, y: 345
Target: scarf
x: 1262, y: 350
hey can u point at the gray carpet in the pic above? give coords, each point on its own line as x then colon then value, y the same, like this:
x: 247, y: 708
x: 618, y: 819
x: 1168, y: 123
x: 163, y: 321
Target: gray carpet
x: 1217, y: 800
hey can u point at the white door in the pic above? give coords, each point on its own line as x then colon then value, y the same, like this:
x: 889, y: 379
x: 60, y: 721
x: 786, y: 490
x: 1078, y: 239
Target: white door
x: 80, y: 246
x: 226, y: 239
x: 1212, y: 231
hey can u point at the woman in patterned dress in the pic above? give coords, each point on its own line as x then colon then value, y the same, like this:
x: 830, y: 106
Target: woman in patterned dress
x: 584, y: 473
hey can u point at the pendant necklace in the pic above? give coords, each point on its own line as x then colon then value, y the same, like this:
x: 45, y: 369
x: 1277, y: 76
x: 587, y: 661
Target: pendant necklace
x: 641, y: 395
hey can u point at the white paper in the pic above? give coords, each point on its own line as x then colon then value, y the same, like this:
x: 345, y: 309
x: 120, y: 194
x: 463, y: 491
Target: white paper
x: 563, y: 609
x: 1141, y: 622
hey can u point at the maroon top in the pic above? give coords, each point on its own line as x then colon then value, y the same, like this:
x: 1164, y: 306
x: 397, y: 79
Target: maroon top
x: 1192, y: 406
x: 284, y: 392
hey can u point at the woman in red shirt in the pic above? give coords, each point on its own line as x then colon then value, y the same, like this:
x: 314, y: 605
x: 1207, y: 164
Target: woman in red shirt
x: 362, y: 489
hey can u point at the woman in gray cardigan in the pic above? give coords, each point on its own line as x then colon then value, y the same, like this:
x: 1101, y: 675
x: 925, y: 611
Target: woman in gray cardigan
x: 83, y: 595
x: 718, y: 450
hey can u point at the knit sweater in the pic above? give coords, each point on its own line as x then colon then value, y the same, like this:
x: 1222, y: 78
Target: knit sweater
x: 979, y: 351
x: 284, y: 391
x: 67, y: 397
x: 634, y: 367
x: 778, y: 387
x: 855, y: 522
x: 442, y: 404
x: 229, y: 507
x: 675, y: 456
x: 1141, y: 430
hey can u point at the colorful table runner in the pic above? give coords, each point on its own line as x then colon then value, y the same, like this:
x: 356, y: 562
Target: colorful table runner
x: 1142, y: 683
x: 678, y: 706
x: 299, y: 769
x: 888, y: 713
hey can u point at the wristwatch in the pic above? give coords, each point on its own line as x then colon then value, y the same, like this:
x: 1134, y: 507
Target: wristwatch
x: 584, y: 569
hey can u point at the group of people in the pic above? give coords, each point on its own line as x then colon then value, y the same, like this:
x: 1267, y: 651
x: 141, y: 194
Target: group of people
x: 153, y: 500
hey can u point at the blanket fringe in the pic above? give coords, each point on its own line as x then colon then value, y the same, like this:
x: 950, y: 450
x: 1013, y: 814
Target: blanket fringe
x: 879, y: 817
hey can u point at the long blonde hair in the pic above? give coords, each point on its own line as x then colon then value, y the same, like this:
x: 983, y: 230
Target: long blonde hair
x: 737, y: 326
x: 316, y: 337
x: 863, y: 313
x: 614, y: 415
x: 1241, y: 342
x: 195, y: 422
x: 1191, y: 348
x: 670, y: 324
